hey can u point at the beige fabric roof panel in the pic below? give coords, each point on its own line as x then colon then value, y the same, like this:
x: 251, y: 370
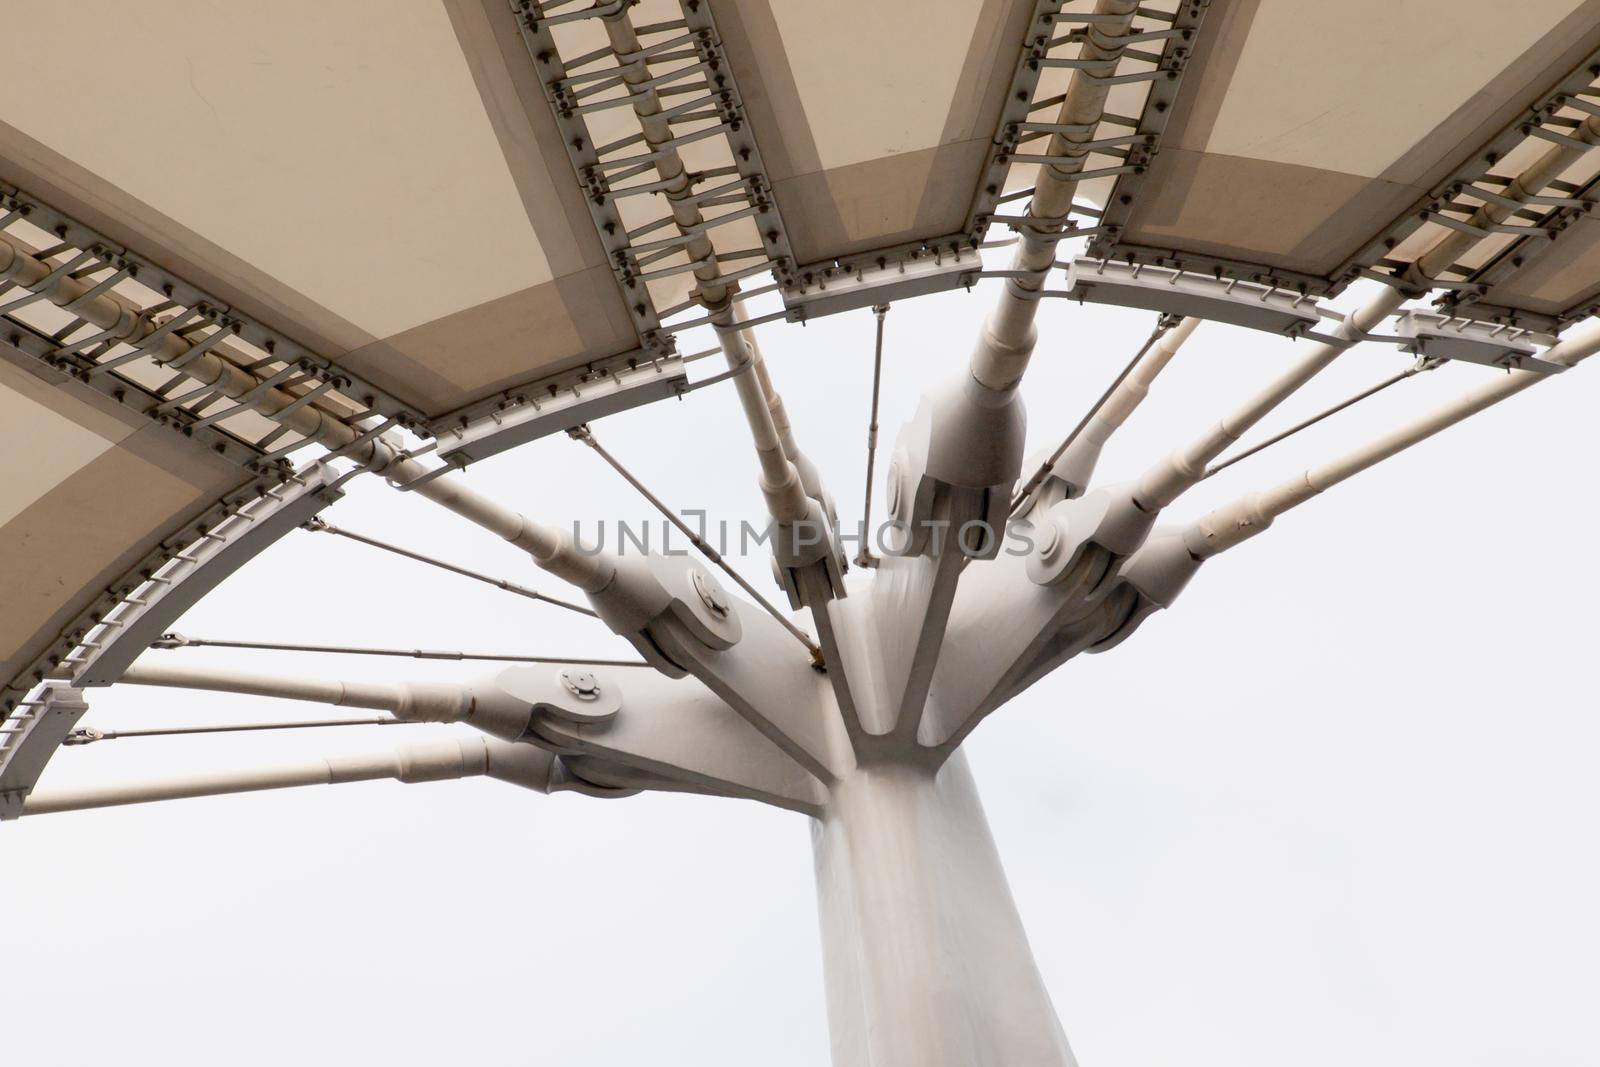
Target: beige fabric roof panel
x: 1300, y: 134
x: 874, y: 120
x: 1560, y: 281
x: 381, y: 181
x: 86, y: 490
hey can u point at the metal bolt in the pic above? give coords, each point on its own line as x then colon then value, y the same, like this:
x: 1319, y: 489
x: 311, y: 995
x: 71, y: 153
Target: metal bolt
x: 710, y: 594
x: 581, y: 684
x: 1049, y: 540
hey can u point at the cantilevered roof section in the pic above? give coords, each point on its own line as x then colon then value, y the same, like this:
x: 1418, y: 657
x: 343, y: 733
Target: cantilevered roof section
x: 88, y: 490
x: 1306, y: 131
x: 452, y: 215
x: 384, y: 184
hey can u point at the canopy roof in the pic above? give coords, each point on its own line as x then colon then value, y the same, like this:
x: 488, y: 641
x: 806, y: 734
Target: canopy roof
x: 417, y: 212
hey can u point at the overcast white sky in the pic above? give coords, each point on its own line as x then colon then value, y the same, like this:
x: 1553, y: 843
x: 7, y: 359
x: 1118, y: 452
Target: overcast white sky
x: 1337, y: 806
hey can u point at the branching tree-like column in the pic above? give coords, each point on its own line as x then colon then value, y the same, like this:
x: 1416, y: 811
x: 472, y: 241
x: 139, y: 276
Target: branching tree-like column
x: 860, y: 727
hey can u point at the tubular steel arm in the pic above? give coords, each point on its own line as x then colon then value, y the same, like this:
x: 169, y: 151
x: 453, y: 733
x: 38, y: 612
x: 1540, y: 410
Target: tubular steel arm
x: 1007, y: 340
x: 550, y: 548
x: 677, y: 734
x: 1244, y: 518
x: 782, y: 465
x: 1154, y: 576
x: 1116, y: 521
x: 438, y: 761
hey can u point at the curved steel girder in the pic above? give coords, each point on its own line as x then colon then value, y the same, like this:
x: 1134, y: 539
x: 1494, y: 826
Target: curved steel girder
x: 46, y: 721
x: 150, y: 611
x: 145, y: 613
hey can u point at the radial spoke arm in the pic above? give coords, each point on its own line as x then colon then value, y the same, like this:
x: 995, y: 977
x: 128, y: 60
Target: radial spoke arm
x: 1006, y: 342
x: 407, y: 700
x: 1184, y: 468
x: 1163, y: 484
x: 1115, y: 522
x: 781, y: 480
x: 1072, y: 464
x: 176, y: 640
x: 1160, y: 570
x: 215, y: 366
x: 1248, y: 516
x: 523, y: 765
x: 729, y: 736
x: 956, y: 463
x: 586, y: 436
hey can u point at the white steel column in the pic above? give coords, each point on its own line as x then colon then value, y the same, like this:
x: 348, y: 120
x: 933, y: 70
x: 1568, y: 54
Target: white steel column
x: 925, y: 958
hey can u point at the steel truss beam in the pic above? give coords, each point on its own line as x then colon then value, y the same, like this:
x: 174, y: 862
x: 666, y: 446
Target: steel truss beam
x: 1544, y: 218
x: 938, y: 264
x: 1457, y: 203
x: 789, y: 482
x: 608, y: 173
x: 102, y: 359
x: 183, y: 297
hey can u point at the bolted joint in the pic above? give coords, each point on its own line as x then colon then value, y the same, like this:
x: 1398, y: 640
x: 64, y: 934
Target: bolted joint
x: 1151, y: 579
x: 811, y: 542
x: 956, y: 460
x: 511, y: 704
x: 1080, y: 541
x: 655, y: 600
x: 1070, y: 475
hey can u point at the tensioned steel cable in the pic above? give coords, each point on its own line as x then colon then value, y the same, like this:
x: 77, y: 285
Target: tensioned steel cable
x: 865, y: 558
x: 174, y: 640
x: 323, y: 526
x: 584, y: 434
x: 1417, y: 368
x: 85, y: 735
x: 1163, y: 324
